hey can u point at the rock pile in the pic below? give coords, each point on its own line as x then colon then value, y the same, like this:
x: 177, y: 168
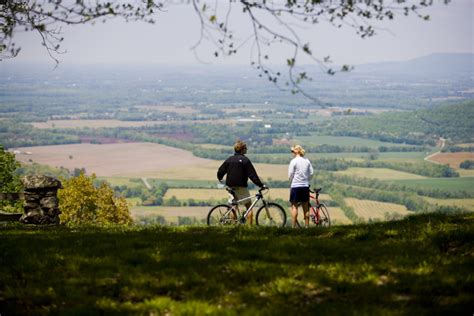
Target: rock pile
x: 41, y: 201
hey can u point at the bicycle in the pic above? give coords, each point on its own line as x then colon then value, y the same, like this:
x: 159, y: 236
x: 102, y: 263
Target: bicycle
x: 269, y: 214
x: 319, y: 214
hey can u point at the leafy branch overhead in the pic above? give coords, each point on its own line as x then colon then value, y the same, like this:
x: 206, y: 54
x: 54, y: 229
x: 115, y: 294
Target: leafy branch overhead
x: 48, y: 16
x: 271, y: 25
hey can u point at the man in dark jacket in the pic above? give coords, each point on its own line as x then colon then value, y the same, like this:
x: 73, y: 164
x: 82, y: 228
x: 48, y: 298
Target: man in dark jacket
x: 239, y: 169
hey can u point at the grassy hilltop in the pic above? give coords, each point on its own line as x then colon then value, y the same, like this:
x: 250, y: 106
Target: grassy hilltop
x: 420, y: 265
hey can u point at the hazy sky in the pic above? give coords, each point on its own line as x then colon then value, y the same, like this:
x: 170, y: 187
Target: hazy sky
x: 169, y: 40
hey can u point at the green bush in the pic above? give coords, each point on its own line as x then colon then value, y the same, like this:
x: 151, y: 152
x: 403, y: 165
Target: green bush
x: 9, y: 180
x: 82, y: 203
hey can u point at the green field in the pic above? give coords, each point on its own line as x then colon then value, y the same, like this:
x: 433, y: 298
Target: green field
x: 418, y: 266
x: 218, y: 194
x: 170, y: 214
x: 380, y: 174
x: 184, y: 183
x: 467, y: 204
x: 134, y: 201
x: 315, y: 140
x: 118, y: 181
x: 411, y: 157
x: 447, y: 184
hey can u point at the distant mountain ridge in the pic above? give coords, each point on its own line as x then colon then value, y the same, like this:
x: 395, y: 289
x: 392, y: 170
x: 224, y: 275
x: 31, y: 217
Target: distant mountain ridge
x: 441, y: 63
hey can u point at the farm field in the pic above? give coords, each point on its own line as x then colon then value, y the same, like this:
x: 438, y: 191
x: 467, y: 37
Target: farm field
x: 313, y: 157
x: 136, y: 160
x: 168, y: 108
x: 92, y: 123
x: 411, y: 157
x: 380, y: 174
x: 197, y: 194
x: 176, y: 183
x: 215, y: 146
x: 467, y: 204
x: 335, y: 213
x: 117, y: 181
x: 208, y: 171
x: 338, y: 217
x: 113, y: 160
x: 134, y: 201
x: 452, y: 159
x: 170, y: 213
x: 465, y: 172
x: 446, y: 184
x: 368, y: 209
x: 217, y: 194
x: 113, y: 123
x: 314, y: 140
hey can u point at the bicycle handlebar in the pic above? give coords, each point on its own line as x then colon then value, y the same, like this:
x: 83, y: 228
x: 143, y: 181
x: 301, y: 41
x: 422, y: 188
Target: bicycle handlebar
x: 260, y: 190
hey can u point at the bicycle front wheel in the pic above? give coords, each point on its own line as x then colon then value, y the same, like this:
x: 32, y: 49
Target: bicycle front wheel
x: 324, y: 219
x: 221, y: 215
x: 271, y: 214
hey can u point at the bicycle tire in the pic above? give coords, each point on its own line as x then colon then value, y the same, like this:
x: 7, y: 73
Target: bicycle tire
x: 271, y: 214
x: 325, y: 219
x: 221, y: 215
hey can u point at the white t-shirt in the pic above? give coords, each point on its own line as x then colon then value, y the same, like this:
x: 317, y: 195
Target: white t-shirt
x: 300, y: 172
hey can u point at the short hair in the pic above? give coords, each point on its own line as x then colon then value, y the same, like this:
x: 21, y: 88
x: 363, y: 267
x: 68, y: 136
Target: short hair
x: 297, y: 149
x: 240, y: 146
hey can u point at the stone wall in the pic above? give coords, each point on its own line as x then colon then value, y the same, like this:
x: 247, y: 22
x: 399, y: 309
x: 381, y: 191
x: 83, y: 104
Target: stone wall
x: 41, y: 201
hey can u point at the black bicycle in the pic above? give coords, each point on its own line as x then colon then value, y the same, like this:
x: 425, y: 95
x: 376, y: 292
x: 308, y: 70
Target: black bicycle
x: 269, y: 214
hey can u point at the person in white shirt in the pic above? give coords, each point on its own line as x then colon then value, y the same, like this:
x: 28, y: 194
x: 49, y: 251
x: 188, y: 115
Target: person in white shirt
x: 300, y: 172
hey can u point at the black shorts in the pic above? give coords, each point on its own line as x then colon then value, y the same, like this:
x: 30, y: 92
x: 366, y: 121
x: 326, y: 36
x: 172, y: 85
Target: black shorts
x: 300, y: 194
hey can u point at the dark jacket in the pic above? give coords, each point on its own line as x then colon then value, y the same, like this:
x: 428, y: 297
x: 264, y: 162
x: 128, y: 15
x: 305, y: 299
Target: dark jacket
x: 238, y: 169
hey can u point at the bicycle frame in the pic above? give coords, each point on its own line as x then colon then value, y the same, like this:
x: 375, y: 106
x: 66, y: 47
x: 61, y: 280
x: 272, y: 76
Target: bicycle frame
x: 266, y: 214
x: 257, y: 197
x: 315, y: 209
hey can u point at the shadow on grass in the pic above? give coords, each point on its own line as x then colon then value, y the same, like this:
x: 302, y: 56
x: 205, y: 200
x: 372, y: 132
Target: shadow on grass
x: 422, y: 264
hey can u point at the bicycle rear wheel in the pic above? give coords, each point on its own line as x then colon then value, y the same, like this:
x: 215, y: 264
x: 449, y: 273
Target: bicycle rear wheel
x: 324, y: 219
x: 271, y: 214
x: 221, y: 215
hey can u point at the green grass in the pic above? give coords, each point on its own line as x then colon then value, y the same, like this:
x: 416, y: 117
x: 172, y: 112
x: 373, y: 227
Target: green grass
x: 446, y: 184
x: 418, y: 266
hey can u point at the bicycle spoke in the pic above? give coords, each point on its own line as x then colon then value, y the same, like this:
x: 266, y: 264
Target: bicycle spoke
x: 271, y: 215
x: 221, y: 215
x: 325, y: 220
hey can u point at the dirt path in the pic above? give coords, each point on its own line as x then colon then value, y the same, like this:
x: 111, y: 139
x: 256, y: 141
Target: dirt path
x: 145, y: 182
x: 443, y: 143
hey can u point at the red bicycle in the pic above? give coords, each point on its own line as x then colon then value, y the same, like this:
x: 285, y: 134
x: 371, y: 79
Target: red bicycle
x: 318, y: 212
